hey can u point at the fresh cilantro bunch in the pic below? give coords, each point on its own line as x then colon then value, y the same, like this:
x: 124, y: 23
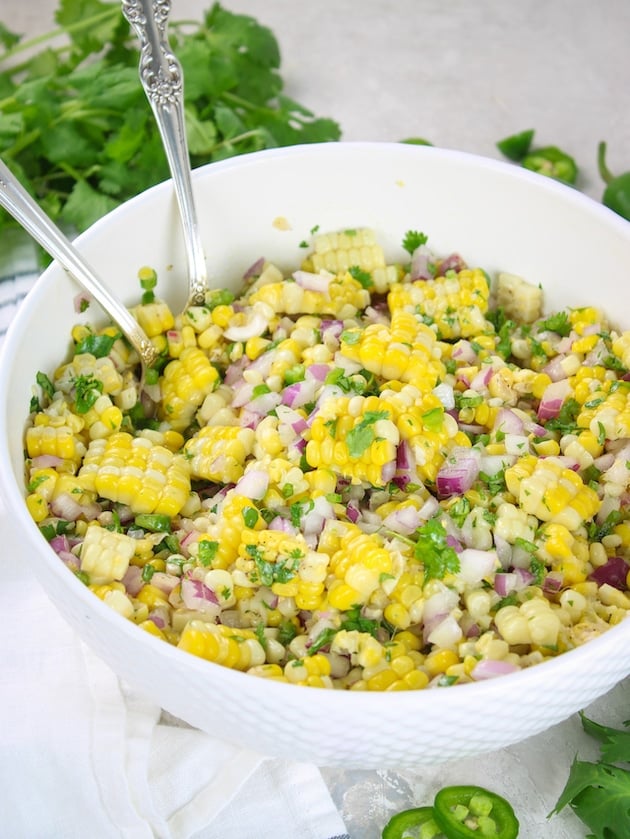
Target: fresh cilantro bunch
x: 77, y: 129
x: 599, y: 793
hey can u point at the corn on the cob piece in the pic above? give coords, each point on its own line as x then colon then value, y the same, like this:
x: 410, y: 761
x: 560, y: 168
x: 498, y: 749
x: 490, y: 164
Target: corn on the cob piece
x: 357, y: 564
x: 133, y: 471
x: 407, y: 351
x: 105, y: 554
x: 550, y: 491
x: 235, y: 648
x: 344, y: 298
x: 218, y: 453
x: 56, y: 440
x: 155, y: 318
x: 520, y: 300
x: 606, y: 412
x: 354, y: 437
x: 352, y: 249
x: 185, y: 383
x: 456, y: 305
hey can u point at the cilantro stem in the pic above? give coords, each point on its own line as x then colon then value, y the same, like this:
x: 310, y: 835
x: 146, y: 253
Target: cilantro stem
x: 76, y: 26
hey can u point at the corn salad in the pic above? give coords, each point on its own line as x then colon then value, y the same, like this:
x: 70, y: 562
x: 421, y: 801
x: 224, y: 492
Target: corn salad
x: 364, y: 475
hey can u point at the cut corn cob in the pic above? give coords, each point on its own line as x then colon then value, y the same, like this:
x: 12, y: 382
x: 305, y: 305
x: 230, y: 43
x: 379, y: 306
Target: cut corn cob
x: 218, y: 453
x: 344, y: 298
x: 235, y: 648
x: 186, y: 382
x: 105, y: 554
x: 456, y: 305
x: 406, y: 351
x: 550, y: 491
x: 520, y: 300
x: 133, y: 471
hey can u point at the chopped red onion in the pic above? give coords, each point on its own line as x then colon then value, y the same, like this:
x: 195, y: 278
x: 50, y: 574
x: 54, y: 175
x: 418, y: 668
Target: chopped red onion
x: 132, y: 580
x: 46, y: 461
x: 504, y: 583
x: 282, y: 524
x: 613, y: 573
x: 463, y: 351
x: 446, y: 634
x: 422, y: 261
x: 489, y: 669
x: 404, y: 520
x: 197, y: 596
x: 300, y: 393
x: 81, y: 301
x: 554, y: 369
x: 255, y: 269
x: 458, y: 472
x: 481, y: 379
x: 508, y: 422
x: 552, y: 399
x: 317, y: 372
x: 254, y: 327
x: 352, y: 511
x: 476, y: 565
x: 264, y: 403
x: 314, y: 282
x: 253, y: 484
x: 165, y: 582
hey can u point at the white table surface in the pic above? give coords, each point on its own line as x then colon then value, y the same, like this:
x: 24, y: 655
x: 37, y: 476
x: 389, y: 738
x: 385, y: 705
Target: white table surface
x: 463, y: 75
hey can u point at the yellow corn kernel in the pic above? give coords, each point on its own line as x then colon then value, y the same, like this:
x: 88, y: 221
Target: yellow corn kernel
x: 235, y: 648
x: 222, y: 315
x: 397, y: 615
x: 546, y: 448
x: 37, y: 506
x: 439, y: 661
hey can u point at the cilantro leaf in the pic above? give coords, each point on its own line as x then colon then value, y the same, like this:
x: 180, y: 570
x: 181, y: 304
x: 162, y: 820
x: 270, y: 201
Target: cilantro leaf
x: 413, y: 239
x: 615, y: 742
x: 598, y: 793
x: 433, y: 551
x: 558, y: 323
x: 360, y: 438
x: 566, y: 421
x: 97, y: 345
x: 87, y: 389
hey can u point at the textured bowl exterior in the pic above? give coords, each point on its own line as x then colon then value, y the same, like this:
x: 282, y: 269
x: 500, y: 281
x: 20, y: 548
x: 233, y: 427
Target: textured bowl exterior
x: 496, y: 215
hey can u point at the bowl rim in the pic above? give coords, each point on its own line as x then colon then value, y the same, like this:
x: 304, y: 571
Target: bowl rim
x: 530, y: 678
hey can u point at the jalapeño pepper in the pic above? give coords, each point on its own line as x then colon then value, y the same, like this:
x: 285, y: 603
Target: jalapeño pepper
x: 417, y: 823
x: 470, y: 812
x: 553, y: 162
x: 516, y: 146
x: 617, y: 193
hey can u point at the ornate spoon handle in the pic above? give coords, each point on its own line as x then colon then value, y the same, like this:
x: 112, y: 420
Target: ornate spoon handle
x: 19, y: 204
x: 162, y: 79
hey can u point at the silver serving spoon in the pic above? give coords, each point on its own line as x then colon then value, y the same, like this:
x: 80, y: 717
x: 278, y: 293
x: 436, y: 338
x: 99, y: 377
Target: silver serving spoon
x: 162, y: 79
x: 19, y: 204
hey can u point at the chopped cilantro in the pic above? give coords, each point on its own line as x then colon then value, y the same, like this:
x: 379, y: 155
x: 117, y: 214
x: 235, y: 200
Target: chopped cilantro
x: 354, y: 621
x: 558, y: 323
x: 565, y: 422
x: 286, y: 632
x: 87, y: 390
x: 351, y: 336
x: 207, y: 551
x: 46, y: 385
x: 433, y: 551
x: 413, y: 239
x: 360, y: 438
x: 361, y: 276
x: 99, y: 346
x: 323, y: 640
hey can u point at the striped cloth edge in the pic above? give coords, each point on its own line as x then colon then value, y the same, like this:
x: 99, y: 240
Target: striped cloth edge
x: 13, y: 289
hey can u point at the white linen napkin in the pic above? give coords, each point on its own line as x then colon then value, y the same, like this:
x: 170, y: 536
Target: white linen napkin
x: 82, y: 754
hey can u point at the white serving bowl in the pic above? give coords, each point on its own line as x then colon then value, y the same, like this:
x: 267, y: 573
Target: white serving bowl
x: 497, y: 216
